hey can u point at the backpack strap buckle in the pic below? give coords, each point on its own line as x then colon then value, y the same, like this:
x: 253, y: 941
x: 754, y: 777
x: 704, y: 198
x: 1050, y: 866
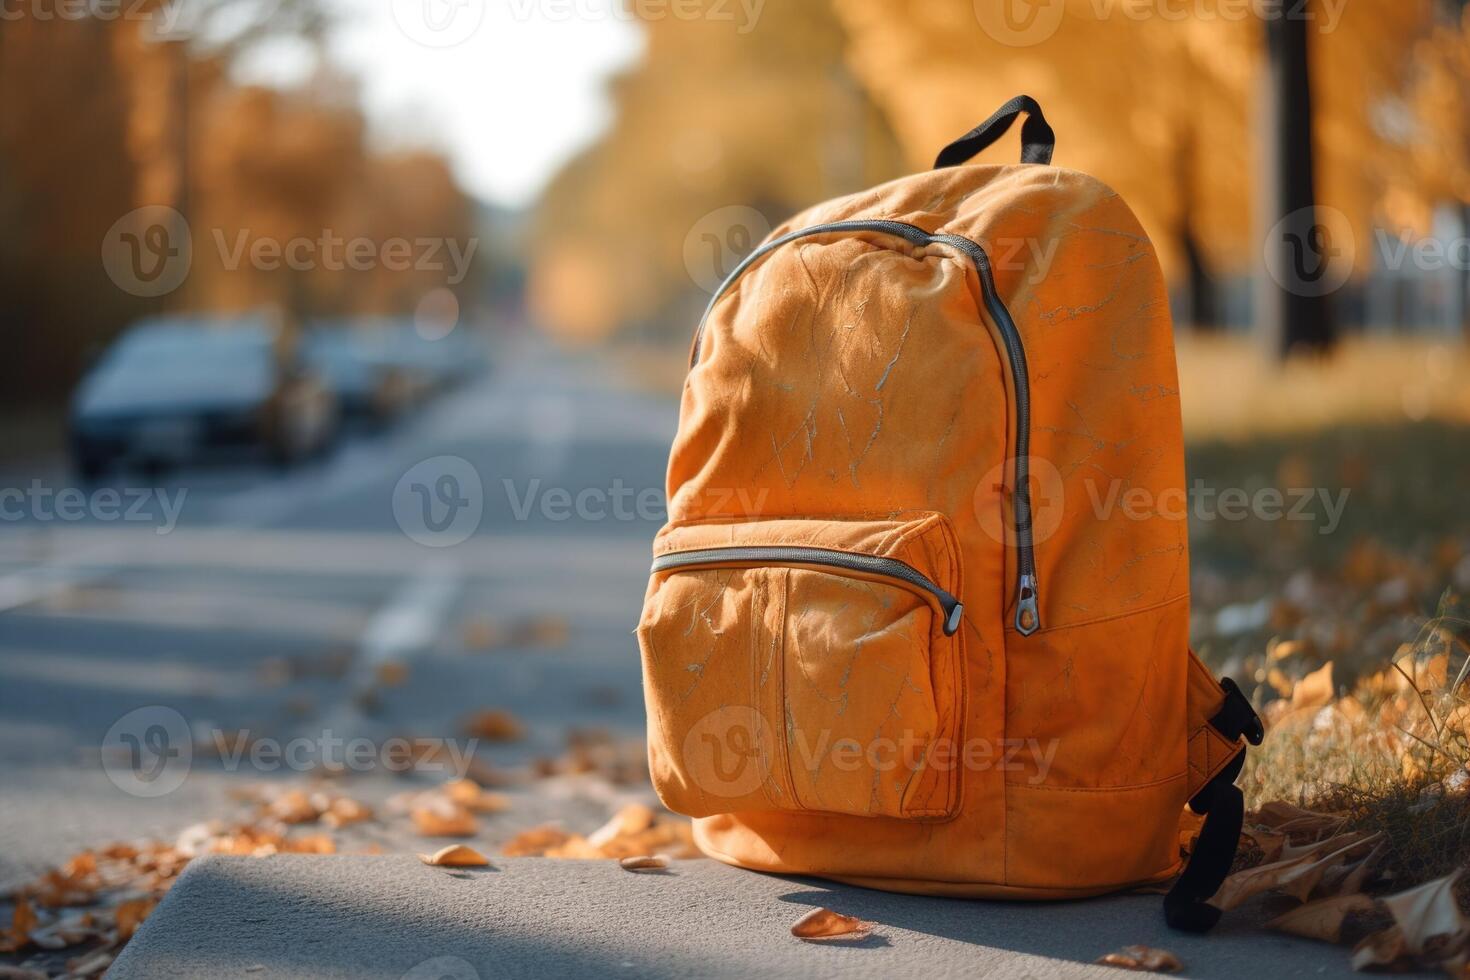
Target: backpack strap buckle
x: 1236, y: 718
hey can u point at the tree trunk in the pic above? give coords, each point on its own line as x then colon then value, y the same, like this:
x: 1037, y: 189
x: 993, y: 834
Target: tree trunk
x: 1293, y: 310
x: 1201, y: 309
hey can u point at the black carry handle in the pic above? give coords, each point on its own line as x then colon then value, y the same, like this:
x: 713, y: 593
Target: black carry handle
x: 1037, y: 139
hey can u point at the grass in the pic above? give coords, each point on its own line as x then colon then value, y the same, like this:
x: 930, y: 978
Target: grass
x: 1230, y: 391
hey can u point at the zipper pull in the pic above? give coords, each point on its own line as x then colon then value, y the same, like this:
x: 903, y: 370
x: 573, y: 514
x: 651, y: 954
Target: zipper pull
x: 1028, y: 611
x: 952, y: 621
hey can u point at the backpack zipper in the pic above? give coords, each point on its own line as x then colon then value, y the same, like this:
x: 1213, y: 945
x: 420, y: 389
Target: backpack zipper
x: 1028, y: 604
x: 890, y: 568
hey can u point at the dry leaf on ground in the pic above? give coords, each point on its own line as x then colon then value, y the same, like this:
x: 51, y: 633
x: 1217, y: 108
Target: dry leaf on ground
x: 1314, y: 690
x: 468, y: 794
x: 1322, y: 919
x: 494, y: 725
x: 631, y: 819
x: 1144, y: 958
x: 293, y: 807
x: 1297, y: 874
x: 535, y: 842
x: 634, y: 831
x: 456, y: 856
x: 343, y: 811
x: 444, y: 818
x: 1295, y: 822
x: 825, y: 924
x: 1429, y: 929
x: 22, y: 921
x: 656, y: 862
x: 130, y: 915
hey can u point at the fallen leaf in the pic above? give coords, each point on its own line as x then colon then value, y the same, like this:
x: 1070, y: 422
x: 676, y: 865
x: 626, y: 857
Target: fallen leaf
x: 825, y: 924
x: 1144, y: 958
x: 456, y: 856
x: 1268, y: 842
x: 494, y: 725
x: 1322, y: 919
x: 631, y: 819
x: 576, y: 848
x: 22, y: 921
x: 1295, y: 821
x: 541, y: 631
x: 130, y: 915
x: 1279, y: 682
x: 1357, y: 874
x: 1314, y: 690
x: 483, y: 634
x: 443, y: 818
x: 534, y: 842
x: 310, y: 844
x: 392, y: 673
x: 1380, y: 949
x: 90, y: 965
x: 293, y: 807
x: 1297, y: 874
x: 468, y: 794
x: 1431, y: 928
x: 344, y: 811
x: 1281, y: 649
x: 656, y: 862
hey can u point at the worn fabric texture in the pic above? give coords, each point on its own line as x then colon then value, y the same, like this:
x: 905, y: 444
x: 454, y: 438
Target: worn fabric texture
x: 852, y: 393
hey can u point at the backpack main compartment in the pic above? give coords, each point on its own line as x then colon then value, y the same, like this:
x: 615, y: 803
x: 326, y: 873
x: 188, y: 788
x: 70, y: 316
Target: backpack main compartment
x: 869, y: 652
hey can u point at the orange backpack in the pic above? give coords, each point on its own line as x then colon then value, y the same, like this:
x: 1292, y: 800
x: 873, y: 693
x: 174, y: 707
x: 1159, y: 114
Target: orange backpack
x: 919, y: 617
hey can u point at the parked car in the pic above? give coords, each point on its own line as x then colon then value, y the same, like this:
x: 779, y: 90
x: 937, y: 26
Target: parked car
x: 373, y: 387
x: 175, y: 389
x: 430, y: 360
x: 451, y: 359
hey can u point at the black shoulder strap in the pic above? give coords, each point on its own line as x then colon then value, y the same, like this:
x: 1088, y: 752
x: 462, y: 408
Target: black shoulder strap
x: 1037, y: 139
x: 1223, y: 805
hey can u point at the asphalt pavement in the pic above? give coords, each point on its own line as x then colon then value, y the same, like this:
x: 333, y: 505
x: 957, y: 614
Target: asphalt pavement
x: 233, y: 598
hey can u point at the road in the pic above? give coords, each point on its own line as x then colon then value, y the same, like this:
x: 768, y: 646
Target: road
x: 241, y: 600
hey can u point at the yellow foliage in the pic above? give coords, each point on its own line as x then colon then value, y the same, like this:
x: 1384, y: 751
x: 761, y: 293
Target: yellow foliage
x: 767, y: 119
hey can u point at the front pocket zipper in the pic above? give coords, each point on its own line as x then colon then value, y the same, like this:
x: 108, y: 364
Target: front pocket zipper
x: 890, y: 568
x: 806, y: 664
x: 1028, y: 598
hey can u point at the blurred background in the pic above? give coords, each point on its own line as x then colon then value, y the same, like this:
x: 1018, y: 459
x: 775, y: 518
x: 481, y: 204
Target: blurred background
x: 344, y: 343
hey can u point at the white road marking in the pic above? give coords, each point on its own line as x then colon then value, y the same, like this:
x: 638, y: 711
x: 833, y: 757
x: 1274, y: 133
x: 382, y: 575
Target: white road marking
x: 403, y: 628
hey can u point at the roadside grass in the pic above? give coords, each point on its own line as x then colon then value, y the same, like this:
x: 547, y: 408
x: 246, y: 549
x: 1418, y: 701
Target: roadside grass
x: 1229, y: 390
x: 1351, y: 638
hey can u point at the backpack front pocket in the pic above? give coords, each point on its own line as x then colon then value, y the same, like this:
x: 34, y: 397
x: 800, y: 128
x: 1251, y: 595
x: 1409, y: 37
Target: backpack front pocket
x: 805, y: 665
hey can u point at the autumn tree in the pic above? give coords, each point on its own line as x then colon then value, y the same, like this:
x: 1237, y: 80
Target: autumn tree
x: 65, y: 177
x: 721, y: 131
